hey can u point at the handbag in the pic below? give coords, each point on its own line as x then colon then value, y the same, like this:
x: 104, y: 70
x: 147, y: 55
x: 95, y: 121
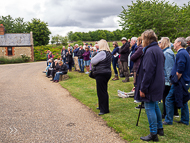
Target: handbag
x: 91, y: 74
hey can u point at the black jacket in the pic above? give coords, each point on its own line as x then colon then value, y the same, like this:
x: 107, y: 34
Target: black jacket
x: 69, y: 57
x: 63, y: 69
x: 124, y: 52
x: 80, y: 53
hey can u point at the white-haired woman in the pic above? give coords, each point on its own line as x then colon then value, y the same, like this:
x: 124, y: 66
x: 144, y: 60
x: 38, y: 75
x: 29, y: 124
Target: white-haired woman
x: 102, y: 70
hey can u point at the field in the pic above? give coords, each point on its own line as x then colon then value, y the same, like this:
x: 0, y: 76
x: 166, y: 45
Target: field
x: 123, y: 115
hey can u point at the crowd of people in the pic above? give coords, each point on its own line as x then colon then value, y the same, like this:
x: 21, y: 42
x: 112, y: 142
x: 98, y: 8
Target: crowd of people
x: 158, y: 73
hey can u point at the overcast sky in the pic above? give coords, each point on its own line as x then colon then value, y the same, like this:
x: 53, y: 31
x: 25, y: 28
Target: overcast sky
x: 63, y: 16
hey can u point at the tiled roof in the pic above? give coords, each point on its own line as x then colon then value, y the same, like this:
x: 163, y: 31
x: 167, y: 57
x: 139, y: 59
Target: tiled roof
x: 21, y: 39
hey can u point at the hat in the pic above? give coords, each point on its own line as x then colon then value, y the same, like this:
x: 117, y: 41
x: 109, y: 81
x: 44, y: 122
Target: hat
x: 86, y: 44
x: 122, y: 39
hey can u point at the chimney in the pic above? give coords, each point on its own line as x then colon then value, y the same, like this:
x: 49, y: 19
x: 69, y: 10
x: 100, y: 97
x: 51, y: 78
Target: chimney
x: 2, y: 29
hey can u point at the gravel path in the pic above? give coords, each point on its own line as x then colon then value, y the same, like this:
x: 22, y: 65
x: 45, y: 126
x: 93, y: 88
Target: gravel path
x: 33, y: 109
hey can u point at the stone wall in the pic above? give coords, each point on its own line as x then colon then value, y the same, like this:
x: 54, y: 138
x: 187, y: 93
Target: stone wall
x: 17, y: 51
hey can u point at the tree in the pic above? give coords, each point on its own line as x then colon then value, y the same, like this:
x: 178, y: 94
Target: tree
x: 63, y: 40
x: 160, y: 16
x: 40, y: 31
x: 7, y: 21
x: 69, y: 34
x: 19, y: 26
x: 13, y: 25
x: 101, y: 35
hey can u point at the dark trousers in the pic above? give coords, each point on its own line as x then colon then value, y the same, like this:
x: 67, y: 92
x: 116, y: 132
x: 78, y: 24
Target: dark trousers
x: 114, y: 63
x: 166, y: 91
x: 53, y: 73
x: 102, y: 87
x: 70, y: 65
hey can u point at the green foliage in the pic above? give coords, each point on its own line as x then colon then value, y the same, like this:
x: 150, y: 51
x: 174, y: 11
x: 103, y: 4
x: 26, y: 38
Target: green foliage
x: 12, y: 60
x: 58, y: 39
x: 40, y: 52
x: 95, y: 35
x: 40, y: 32
x: 11, y: 25
x: 164, y: 18
x: 25, y: 58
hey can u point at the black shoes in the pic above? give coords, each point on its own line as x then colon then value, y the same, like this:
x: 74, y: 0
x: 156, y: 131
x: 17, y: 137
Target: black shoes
x: 102, y: 113
x: 121, y: 75
x: 138, y: 107
x: 150, y: 137
x: 98, y: 108
x: 180, y: 122
x: 160, y: 132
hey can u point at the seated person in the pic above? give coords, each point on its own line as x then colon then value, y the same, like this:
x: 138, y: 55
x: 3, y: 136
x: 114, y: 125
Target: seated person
x: 62, y: 70
x: 55, y: 69
x: 52, y: 65
x: 49, y: 63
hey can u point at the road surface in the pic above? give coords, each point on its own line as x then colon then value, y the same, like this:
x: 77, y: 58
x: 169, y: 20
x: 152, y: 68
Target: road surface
x: 33, y: 109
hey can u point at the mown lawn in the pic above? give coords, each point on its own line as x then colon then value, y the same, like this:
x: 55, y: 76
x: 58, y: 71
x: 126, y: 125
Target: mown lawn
x: 123, y: 115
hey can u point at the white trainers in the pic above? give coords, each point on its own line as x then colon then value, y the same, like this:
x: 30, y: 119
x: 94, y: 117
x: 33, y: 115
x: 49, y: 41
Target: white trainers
x: 136, y: 101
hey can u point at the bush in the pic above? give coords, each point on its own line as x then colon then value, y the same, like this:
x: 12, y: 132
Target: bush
x: 41, y: 51
x: 11, y: 61
x: 25, y: 58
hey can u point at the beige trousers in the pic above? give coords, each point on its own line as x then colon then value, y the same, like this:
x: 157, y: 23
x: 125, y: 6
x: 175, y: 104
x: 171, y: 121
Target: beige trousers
x: 76, y: 63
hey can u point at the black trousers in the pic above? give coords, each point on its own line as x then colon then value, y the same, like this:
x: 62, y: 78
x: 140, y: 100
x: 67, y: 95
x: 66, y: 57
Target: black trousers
x: 166, y: 91
x: 53, y: 73
x: 102, y: 87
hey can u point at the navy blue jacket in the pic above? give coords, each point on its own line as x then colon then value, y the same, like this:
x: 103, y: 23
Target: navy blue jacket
x: 115, y: 50
x: 75, y: 52
x: 150, y: 74
x: 180, y: 93
x: 182, y: 65
x: 132, y: 52
x: 188, y: 50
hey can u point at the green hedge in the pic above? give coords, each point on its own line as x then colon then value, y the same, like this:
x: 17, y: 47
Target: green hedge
x: 41, y: 51
x: 22, y: 59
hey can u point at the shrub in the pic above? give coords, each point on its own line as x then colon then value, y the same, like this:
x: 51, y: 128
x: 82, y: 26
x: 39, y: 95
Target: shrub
x: 10, y: 61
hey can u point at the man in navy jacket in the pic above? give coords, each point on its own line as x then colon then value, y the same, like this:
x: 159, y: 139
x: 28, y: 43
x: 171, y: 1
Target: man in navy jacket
x: 181, y: 69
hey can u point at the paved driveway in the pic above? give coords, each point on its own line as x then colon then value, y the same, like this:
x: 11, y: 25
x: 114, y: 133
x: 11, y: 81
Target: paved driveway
x: 33, y: 109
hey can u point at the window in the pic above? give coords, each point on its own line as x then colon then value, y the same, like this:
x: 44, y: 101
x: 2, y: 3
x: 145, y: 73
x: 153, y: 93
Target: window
x: 10, y: 52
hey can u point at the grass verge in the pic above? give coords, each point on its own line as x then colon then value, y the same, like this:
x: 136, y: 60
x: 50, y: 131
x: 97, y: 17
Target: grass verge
x: 123, y: 115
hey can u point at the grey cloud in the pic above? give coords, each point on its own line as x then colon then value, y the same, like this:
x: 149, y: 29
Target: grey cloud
x: 83, y: 13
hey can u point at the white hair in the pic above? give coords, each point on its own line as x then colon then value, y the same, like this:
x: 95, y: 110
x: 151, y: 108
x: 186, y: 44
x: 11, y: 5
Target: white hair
x: 94, y: 48
x: 96, y: 45
x: 134, y: 38
x: 188, y: 39
x: 76, y: 45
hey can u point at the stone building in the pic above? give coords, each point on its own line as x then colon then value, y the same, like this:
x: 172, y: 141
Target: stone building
x: 13, y: 45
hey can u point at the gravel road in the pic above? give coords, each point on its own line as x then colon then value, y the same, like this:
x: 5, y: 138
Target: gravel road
x: 33, y: 109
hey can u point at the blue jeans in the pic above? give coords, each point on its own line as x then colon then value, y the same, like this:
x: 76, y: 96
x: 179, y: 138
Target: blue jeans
x: 170, y: 99
x: 57, y: 75
x: 154, y: 116
x: 81, y: 64
x: 64, y: 60
x: 114, y: 63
